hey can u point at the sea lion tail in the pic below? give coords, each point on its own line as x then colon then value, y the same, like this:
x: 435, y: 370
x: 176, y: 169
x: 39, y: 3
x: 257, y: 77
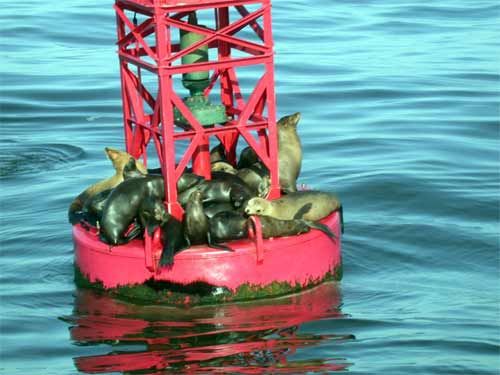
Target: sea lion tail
x: 321, y: 227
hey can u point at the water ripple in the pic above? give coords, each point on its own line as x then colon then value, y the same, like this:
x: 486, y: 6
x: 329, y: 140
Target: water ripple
x: 20, y: 158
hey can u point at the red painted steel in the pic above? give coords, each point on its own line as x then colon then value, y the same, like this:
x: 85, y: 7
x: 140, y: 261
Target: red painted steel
x: 297, y: 259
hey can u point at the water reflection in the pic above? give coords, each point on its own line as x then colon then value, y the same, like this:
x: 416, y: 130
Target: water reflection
x: 246, y: 338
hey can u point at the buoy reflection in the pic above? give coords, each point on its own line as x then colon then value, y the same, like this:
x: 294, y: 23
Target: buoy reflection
x: 247, y: 338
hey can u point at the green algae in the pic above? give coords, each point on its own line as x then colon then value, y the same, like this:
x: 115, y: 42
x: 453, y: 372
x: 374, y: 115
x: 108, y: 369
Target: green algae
x: 199, y: 293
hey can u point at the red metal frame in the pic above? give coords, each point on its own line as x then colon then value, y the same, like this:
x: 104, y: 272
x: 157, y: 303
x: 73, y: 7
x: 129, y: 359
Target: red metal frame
x: 150, y: 117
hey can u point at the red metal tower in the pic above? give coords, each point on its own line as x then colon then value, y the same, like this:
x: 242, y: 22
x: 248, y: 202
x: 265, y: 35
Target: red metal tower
x: 150, y: 45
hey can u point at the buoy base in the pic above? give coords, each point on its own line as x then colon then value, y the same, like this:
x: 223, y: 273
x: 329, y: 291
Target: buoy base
x: 202, y: 275
x: 170, y: 294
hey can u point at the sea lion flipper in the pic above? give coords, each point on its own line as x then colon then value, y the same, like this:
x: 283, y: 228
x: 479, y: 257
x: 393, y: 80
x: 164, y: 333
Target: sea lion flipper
x: 220, y: 247
x: 302, y: 211
x: 76, y: 217
x: 167, y: 256
x: 323, y: 228
x: 150, y: 227
x: 214, y: 245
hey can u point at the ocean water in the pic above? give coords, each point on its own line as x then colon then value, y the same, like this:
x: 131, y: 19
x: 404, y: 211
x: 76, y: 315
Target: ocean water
x: 400, y: 117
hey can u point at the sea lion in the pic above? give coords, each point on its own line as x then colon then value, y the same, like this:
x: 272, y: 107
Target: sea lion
x: 183, y: 198
x: 272, y: 227
x: 195, y: 220
x: 230, y: 225
x: 186, y: 185
x: 196, y: 223
x: 223, y: 166
x: 214, y: 208
x: 173, y: 239
x: 93, y: 206
x: 225, y: 187
x: 307, y: 205
x: 154, y: 171
x: 123, y: 205
x: 152, y: 214
x: 257, y: 178
x: 289, y: 152
x: 227, y: 226
x: 119, y: 159
x: 131, y: 170
x: 218, y: 153
x: 186, y: 180
x: 247, y: 158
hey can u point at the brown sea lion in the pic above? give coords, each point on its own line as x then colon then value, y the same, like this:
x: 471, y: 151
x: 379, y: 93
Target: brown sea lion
x: 119, y: 159
x: 173, y: 239
x: 123, y: 206
x: 289, y: 152
x: 272, y: 227
x: 211, y: 209
x: 93, y: 207
x: 307, y: 205
x: 223, y: 166
x: 187, y: 179
x: 227, y: 226
x: 257, y: 178
x: 196, y: 223
x: 195, y: 220
x: 247, y: 158
x: 225, y: 187
x: 152, y: 214
x: 230, y: 225
x: 218, y: 153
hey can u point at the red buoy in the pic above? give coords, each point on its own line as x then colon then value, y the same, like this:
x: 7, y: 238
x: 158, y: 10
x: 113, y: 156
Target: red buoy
x: 153, y: 60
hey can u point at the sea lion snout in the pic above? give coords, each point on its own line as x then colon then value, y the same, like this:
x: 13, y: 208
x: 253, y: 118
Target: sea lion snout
x: 295, y: 118
x: 289, y: 121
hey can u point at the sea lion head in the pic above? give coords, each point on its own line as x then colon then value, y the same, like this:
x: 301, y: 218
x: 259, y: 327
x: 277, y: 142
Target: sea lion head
x: 160, y: 212
x: 218, y: 153
x: 196, y: 196
x: 258, y: 206
x: 119, y: 159
x: 130, y: 170
x: 238, y: 196
x: 289, y: 122
x: 223, y: 166
x: 264, y: 187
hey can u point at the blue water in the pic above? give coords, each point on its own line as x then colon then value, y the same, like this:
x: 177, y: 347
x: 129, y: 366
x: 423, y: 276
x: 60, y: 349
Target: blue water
x: 400, y: 117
